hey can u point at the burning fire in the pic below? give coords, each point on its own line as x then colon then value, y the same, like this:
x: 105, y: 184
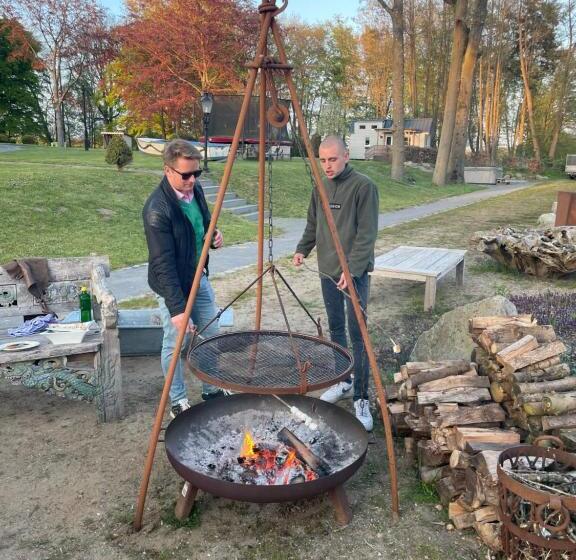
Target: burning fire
x: 277, y: 465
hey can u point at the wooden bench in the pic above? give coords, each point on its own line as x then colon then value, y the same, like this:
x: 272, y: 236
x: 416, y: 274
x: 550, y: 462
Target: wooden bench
x: 89, y: 370
x: 421, y: 264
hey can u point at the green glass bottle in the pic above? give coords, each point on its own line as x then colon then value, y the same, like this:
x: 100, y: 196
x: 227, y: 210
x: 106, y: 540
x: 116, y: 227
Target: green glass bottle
x: 85, y: 305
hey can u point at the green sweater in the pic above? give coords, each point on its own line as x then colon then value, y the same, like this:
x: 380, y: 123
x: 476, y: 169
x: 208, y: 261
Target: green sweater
x: 193, y: 213
x: 353, y: 198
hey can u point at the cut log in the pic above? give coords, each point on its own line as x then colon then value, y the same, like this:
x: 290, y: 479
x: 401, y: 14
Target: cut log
x: 481, y: 323
x: 447, y: 408
x: 487, y: 514
x: 535, y: 424
x: 471, y: 415
x: 410, y: 449
x: 460, y: 395
x: 557, y: 422
x: 391, y: 392
x: 544, y: 352
x: 468, y: 379
x: 397, y: 407
x: 560, y: 385
x: 437, y: 373
x: 400, y: 376
x: 551, y: 373
x: 460, y: 516
x: 569, y: 439
x: 536, y: 408
x: 418, y: 424
x: 554, y: 405
x: 465, y: 435
x: 542, y: 364
x: 518, y: 348
x: 446, y: 490
x: 486, y: 463
x: 489, y: 534
x: 431, y: 455
x: 434, y: 474
x: 499, y: 392
x: 459, y: 459
x: 494, y: 339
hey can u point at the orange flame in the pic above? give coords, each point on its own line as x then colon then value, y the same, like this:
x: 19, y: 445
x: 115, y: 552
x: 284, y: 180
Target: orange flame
x: 247, y: 449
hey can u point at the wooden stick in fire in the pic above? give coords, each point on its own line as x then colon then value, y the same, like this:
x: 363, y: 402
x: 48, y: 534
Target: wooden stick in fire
x: 302, y: 416
x: 304, y: 453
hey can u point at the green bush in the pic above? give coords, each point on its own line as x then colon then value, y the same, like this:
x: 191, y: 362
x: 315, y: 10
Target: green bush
x: 28, y: 139
x: 5, y: 139
x: 118, y: 153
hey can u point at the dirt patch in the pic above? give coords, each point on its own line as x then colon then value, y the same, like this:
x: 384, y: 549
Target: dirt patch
x: 69, y: 486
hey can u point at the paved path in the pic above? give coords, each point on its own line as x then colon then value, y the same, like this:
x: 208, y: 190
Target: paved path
x: 132, y: 282
x: 9, y: 147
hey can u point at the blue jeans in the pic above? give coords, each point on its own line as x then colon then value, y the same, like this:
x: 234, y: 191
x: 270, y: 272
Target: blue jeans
x: 339, y: 308
x: 203, y: 311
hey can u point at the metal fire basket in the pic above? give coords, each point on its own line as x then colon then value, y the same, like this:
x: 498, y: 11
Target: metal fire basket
x: 536, y: 524
x: 269, y: 362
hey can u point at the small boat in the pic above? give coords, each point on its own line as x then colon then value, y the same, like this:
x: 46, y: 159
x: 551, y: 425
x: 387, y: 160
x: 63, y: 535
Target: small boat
x: 155, y: 147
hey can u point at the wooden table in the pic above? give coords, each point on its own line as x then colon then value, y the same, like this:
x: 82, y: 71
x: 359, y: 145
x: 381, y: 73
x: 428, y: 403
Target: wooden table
x: 421, y: 264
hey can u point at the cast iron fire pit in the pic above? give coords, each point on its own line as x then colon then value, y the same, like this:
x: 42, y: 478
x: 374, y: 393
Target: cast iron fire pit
x: 201, y: 441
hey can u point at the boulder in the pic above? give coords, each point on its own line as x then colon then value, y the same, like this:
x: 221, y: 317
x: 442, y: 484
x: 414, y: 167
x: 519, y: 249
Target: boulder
x: 547, y: 220
x: 449, y: 339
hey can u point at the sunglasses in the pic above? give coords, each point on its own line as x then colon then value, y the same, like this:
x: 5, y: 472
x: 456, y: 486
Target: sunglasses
x: 186, y: 176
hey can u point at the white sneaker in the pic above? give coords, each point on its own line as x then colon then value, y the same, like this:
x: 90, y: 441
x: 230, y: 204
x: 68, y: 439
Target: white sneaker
x: 362, y: 408
x: 179, y: 407
x: 336, y: 392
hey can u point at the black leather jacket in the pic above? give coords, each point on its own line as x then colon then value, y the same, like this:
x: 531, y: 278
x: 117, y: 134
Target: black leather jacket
x: 171, y: 245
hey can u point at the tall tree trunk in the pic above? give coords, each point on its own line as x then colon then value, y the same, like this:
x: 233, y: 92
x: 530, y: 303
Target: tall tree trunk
x: 458, y: 149
x: 525, y: 71
x: 495, y: 113
x: 396, y: 12
x: 458, y: 47
x: 412, y: 50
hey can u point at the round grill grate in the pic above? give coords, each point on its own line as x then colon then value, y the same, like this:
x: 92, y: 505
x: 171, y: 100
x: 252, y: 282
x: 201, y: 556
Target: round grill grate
x: 265, y: 362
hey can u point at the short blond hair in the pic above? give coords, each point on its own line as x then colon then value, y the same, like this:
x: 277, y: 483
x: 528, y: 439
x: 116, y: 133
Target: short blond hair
x: 179, y: 149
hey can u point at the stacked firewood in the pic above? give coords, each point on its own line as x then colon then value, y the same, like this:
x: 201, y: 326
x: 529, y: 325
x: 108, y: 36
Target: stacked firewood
x: 456, y: 429
x: 523, y: 362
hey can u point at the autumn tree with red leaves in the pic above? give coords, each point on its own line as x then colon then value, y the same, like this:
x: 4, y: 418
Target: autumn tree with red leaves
x: 172, y: 50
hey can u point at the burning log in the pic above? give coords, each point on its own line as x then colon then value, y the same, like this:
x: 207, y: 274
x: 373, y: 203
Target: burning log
x: 303, y: 452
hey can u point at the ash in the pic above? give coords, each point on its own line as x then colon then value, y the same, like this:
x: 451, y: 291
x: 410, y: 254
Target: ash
x: 213, y: 449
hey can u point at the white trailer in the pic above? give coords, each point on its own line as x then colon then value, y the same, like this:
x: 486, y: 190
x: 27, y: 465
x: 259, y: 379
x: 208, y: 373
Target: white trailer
x: 570, y: 168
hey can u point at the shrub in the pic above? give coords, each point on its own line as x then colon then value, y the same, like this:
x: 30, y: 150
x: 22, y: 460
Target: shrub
x: 118, y: 153
x: 5, y: 139
x: 28, y: 139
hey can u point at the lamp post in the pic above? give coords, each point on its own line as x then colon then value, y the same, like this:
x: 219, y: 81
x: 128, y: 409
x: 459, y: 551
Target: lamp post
x: 206, y: 99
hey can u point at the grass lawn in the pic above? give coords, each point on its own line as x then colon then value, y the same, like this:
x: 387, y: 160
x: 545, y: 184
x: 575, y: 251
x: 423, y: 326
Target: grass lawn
x: 76, y: 156
x: 57, y: 212
x: 291, y: 185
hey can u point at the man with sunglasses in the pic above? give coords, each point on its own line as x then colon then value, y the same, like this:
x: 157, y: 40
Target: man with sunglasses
x: 176, y: 218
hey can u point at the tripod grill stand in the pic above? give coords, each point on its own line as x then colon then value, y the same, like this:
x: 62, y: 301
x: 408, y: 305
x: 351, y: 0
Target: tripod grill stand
x: 277, y: 115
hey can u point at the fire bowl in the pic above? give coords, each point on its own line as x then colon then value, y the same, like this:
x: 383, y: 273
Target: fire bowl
x: 201, y: 439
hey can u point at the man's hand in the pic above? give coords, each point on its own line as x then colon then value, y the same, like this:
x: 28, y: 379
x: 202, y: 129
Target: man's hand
x: 297, y: 259
x: 342, y: 284
x: 178, y: 321
x: 218, y: 239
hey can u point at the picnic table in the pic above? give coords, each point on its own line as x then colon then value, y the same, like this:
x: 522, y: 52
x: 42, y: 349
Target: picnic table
x: 421, y: 264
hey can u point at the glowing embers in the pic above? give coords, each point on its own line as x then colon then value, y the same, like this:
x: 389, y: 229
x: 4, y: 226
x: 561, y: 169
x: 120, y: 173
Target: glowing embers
x: 269, y: 463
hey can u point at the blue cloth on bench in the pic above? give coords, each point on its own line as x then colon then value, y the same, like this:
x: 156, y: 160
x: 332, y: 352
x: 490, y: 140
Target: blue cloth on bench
x: 32, y: 326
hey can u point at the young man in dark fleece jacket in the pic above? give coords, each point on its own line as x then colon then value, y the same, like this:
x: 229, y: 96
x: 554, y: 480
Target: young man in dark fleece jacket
x: 354, y: 203
x: 176, y: 218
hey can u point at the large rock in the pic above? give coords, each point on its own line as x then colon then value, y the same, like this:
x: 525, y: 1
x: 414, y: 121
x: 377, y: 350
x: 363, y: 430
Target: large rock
x: 449, y: 339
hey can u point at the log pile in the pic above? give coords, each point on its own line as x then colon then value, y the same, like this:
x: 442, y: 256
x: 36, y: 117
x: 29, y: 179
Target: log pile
x: 542, y: 253
x: 455, y: 429
x: 523, y: 362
